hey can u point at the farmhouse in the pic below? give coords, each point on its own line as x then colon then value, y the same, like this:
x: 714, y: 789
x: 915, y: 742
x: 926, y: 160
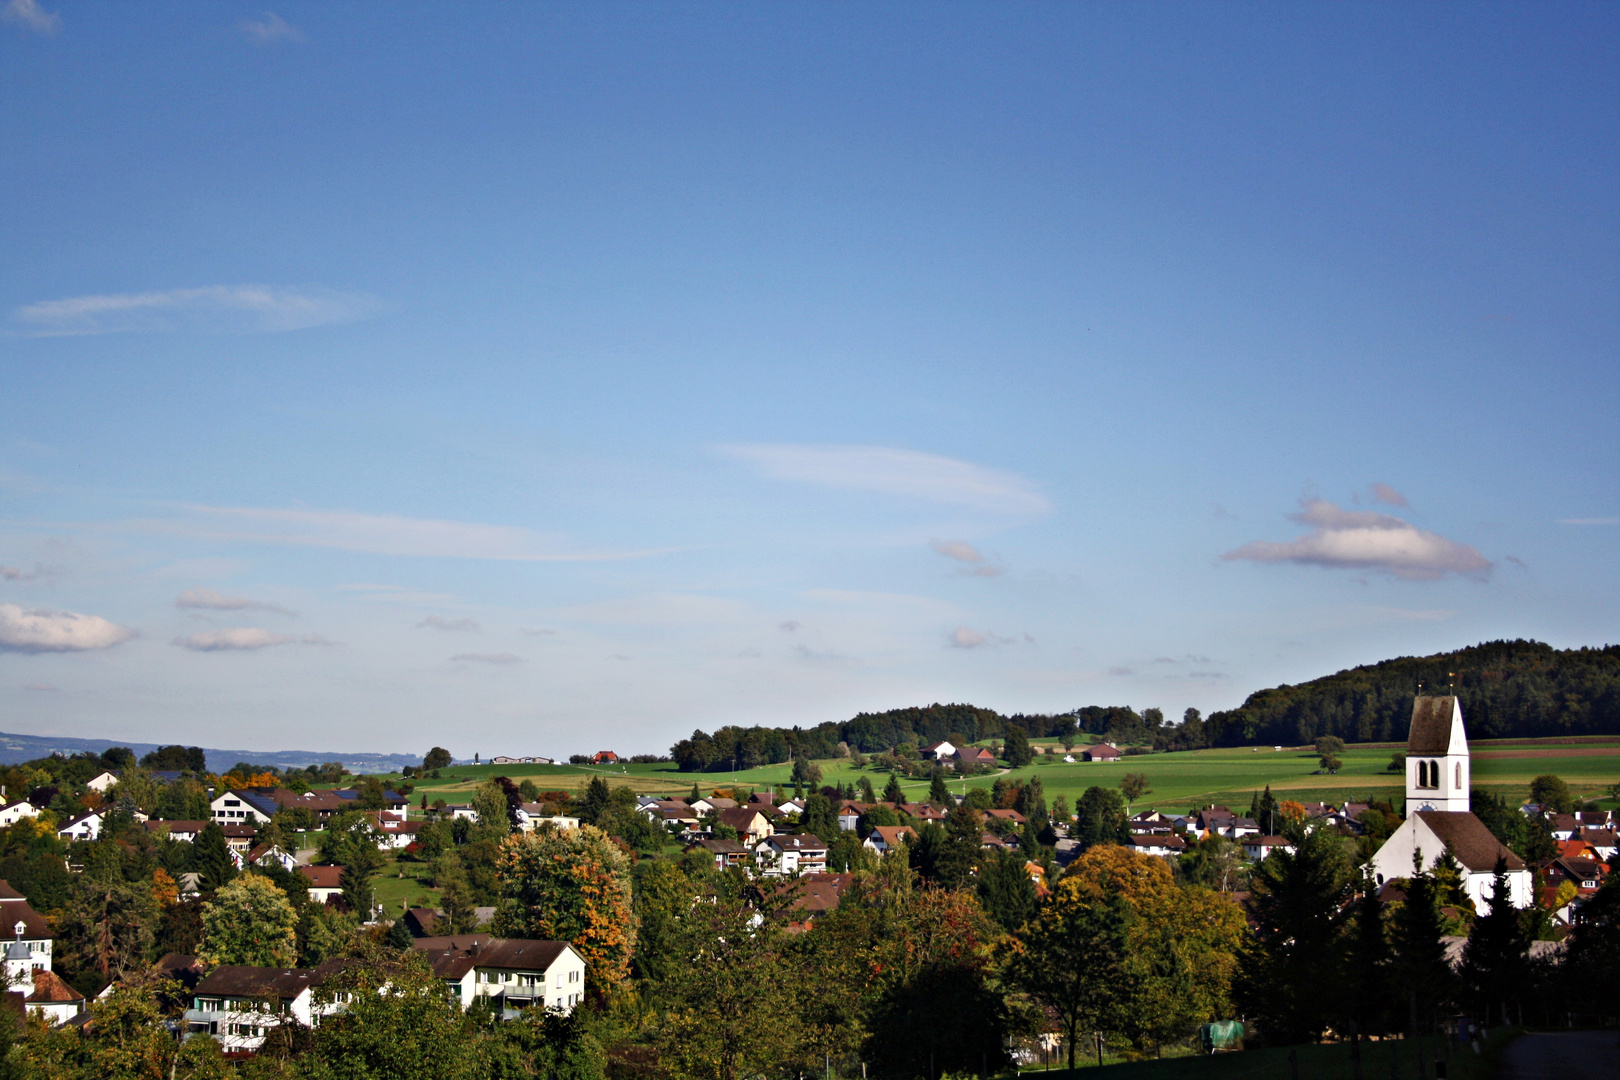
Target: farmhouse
x: 1100, y: 752
x: 1438, y: 814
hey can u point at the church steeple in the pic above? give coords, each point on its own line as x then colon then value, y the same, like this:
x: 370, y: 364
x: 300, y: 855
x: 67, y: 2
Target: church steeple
x: 1437, y: 768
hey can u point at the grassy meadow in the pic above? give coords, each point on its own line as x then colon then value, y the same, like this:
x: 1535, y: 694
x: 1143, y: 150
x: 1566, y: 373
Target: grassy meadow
x: 1177, y: 781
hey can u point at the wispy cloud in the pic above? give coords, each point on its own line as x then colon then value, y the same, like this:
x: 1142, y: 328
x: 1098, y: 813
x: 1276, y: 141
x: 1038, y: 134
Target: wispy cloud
x: 486, y: 658
x: 36, y: 631
x: 1365, y: 540
x: 316, y: 639
x: 373, y: 534
x: 964, y: 552
x: 965, y: 637
x: 1590, y: 521
x: 1383, y: 493
x: 217, y: 601
x: 1121, y: 672
x: 232, y: 638
x: 17, y: 573
x: 906, y: 473
x: 437, y: 622
x: 40, y: 687
x: 270, y: 30
x: 213, y: 308
x: 30, y: 16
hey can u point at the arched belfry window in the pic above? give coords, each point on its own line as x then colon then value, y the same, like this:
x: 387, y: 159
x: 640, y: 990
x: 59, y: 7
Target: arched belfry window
x: 1458, y: 784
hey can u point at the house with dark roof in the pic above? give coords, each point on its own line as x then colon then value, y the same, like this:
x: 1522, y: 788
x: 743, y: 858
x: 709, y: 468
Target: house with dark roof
x: 1438, y: 816
x: 20, y: 922
x: 724, y: 852
x: 1100, y: 752
x: 792, y: 853
x: 751, y: 825
x: 1164, y: 845
x: 87, y: 826
x: 513, y: 973
x: 239, y: 1005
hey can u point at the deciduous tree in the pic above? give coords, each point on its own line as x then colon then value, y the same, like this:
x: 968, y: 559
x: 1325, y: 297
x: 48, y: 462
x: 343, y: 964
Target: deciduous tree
x: 249, y: 922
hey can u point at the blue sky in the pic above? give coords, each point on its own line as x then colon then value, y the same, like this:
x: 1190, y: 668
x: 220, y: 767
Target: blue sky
x: 525, y: 378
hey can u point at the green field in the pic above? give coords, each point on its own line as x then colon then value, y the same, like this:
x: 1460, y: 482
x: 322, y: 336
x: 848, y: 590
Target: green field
x: 1178, y: 781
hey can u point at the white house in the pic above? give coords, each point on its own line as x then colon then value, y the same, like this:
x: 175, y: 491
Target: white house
x: 325, y: 882
x: 885, y: 838
x: 238, y: 807
x: 1258, y: 847
x: 239, y: 1005
x: 532, y: 815
x: 101, y: 782
x: 1162, y: 845
x: 791, y: 806
x: 271, y: 854
x: 1438, y: 817
x: 518, y: 974
x: 47, y: 995
x: 940, y: 751
x: 87, y: 826
x: 24, y: 923
x: 13, y: 812
x: 786, y: 854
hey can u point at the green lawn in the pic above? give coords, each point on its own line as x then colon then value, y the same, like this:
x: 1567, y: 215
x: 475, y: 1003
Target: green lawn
x: 1177, y: 781
x: 392, y: 890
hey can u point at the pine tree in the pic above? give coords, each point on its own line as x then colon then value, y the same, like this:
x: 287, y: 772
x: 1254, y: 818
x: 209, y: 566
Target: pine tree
x: 1006, y: 891
x: 211, y: 858
x: 356, y: 882
x: 1266, y: 813
x: 1419, y: 962
x: 892, y: 792
x: 867, y: 794
x: 1366, y: 969
x: 938, y: 794
x: 398, y: 936
x: 1496, y: 969
x: 959, y: 855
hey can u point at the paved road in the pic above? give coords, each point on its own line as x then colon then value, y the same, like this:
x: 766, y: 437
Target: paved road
x: 1561, y: 1056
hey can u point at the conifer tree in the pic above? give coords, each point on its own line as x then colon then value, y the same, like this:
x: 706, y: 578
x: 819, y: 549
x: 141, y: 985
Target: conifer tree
x: 211, y: 858
x: 938, y: 794
x: 867, y: 794
x: 892, y: 792
x: 1419, y: 961
x: 1496, y: 968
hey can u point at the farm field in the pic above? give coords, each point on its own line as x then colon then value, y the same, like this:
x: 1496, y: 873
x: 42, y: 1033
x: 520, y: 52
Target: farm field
x: 1177, y: 781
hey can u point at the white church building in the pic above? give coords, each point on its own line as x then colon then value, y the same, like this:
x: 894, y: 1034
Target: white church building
x: 1438, y: 813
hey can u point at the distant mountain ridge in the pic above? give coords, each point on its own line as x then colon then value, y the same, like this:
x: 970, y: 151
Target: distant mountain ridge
x: 1509, y: 689
x: 18, y: 748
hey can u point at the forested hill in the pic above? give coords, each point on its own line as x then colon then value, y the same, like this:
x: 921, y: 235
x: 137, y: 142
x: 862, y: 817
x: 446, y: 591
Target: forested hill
x: 1509, y: 689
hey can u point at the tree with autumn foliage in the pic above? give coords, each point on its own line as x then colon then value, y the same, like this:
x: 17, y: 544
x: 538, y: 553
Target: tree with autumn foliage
x: 571, y: 886
x: 1182, y: 942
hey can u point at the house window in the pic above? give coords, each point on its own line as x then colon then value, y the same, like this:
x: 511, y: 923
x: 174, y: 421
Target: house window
x: 1458, y: 784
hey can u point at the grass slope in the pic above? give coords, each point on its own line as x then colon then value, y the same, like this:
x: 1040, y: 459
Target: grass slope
x: 1178, y: 780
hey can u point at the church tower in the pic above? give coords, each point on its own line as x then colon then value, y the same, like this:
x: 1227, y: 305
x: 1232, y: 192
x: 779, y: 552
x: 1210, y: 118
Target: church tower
x: 1437, y: 775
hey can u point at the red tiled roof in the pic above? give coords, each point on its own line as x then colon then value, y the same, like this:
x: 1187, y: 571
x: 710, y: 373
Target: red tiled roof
x: 323, y: 877
x: 50, y: 989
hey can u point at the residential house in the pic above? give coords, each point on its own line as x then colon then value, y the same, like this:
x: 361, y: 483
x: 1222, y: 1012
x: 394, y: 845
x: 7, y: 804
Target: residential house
x: 787, y: 854
x: 1012, y: 817
x: 271, y: 855
x: 236, y: 806
x: 992, y: 842
x: 725, y: 852
x: 850, y: 814
x: 515, y: 974
x: 975, y: 755
x: 87, y: 826
x: 325, y: 882
x: 1585, y: 874
x: 1601, y: 841
x: 20, y: 920
x: 794, y: 805
x: 238, y: 1005
x: 709, y: 803
x: 1258, y: 847
x: 1100, y: 752
x: 885, y: 838
x: 751, y: 825
x: 668, y: 812
x: 102, y: 782
x: 923, y: 813
x: 13, y: 812
x: 392, y: 833
x: 530, y: 815
x: 604, y: 757
x: 940, y: 751
x: 1162, y: 844
x: 49, y: 997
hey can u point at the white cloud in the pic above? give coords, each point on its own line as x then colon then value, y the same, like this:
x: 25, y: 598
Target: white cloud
x: 1590, y: 521
x: 270, y: 30
x: 213, y: 308
x: 1365, y: 540
x: 236, y: 637
x: 437, y: 622
x: 374, y: 534
x: 1387, y: 495
x: 964, y: 637
x: 907, y: 473
x: 316, y: 639
x: 217, y: 601
x: 29, y: 15
x: 36, y: 631
x: 486, y: 658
